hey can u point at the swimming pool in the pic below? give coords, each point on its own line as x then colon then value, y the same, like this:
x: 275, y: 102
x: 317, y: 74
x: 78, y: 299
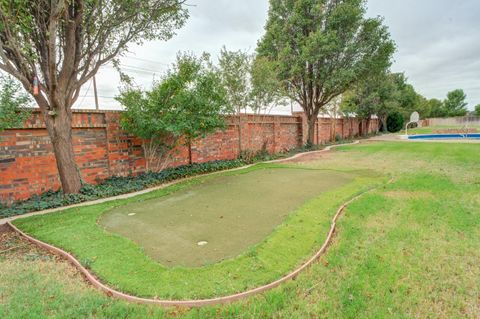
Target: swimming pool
x: 444, y: 136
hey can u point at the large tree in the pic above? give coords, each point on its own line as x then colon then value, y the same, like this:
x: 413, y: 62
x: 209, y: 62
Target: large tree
x: 234, y: 68
x: 408, y: 98
x: 431, y: 108
x: 321, y: 48
x: 378, y: 95
x: 250, y: 83
x: 61, y: 44
x: 455, y: 104
x: 477, y: 110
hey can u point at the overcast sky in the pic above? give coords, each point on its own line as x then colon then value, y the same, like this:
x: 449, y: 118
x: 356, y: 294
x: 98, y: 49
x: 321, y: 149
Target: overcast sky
x: 438, y: 44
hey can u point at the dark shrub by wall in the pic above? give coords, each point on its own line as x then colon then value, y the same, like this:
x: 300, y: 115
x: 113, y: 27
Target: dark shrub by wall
x: 395, y: 122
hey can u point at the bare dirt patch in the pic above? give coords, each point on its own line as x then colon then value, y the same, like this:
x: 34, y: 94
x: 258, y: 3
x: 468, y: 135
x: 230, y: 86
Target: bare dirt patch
x: 399, y: 194
x: 12, y: 246
x: 308, y: 157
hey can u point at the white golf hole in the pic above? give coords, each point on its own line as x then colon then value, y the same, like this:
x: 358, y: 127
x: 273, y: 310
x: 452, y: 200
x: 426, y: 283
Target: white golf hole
x: 202, y: 243
x: 132, y: 214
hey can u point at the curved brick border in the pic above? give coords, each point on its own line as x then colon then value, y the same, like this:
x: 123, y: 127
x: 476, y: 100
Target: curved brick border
x: 190, y: 303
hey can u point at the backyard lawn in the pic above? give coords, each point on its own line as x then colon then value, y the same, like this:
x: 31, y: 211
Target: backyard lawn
x: 279, y: 232
x: 409, y: 248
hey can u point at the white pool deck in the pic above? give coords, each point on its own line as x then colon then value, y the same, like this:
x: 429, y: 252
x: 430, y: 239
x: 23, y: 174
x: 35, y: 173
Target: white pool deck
x: 404, y: 138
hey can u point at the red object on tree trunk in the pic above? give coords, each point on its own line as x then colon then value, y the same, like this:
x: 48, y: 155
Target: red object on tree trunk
x: 35, y: 86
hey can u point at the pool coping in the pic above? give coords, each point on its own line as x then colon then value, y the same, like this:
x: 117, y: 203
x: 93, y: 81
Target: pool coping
x: 96, y: 283
x: 404, y: 139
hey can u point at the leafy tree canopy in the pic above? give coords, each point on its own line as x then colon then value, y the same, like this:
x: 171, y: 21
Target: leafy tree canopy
x: 234, y: 70
x: 477, y: 110
x: 321, y: 48
x: 382, y: 95
x: 266, y: 90
x: 250, y: 81
x: 13, y: 102
x: 188, y: 102
x: 408, y: 98
x: 455, y: 104
x: 65, y: 42
x: 432, y: 108
x: 61, y: 44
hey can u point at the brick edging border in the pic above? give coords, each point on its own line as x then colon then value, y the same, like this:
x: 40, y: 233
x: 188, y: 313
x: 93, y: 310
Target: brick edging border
x: 194, y: 303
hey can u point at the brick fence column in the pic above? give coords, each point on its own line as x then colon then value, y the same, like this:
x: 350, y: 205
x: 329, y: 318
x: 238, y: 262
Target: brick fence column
x: 277, y: 135
x: 303, y: 127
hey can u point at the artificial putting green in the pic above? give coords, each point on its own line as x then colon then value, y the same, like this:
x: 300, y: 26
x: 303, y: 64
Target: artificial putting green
x: 125, y: 265
x: 221, y: 217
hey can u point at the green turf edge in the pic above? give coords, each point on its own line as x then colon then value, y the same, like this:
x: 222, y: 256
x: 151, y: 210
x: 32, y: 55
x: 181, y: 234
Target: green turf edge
x: 121, y: 264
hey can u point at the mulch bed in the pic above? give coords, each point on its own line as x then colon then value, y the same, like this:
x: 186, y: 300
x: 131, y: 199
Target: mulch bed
x: 12, y: 245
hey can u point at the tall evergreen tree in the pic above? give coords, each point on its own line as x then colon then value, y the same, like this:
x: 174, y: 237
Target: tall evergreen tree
x: 321, y: 48
x: 455, y: 104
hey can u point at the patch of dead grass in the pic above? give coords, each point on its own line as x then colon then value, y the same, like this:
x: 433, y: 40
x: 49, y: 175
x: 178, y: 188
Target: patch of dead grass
x: 402, y: 194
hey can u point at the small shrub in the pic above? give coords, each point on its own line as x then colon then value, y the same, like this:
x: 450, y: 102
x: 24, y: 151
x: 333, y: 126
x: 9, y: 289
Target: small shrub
x: 395, y: 122
x: 248, y: 156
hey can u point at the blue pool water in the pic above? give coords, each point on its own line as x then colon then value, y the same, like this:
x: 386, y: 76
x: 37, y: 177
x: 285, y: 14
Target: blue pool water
x: 444, y: 136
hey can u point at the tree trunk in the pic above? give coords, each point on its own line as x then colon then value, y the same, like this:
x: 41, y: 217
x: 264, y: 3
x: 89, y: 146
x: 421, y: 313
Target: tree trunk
x: 311, y: 130
x: 333, y: 134
x: 384, y: 124
x: 59, y: 128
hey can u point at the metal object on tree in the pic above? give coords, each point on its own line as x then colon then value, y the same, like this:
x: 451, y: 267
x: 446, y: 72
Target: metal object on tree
x: 36, y: 89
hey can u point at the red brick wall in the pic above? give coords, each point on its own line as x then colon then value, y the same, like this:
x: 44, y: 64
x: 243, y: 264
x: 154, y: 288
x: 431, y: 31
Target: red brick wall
x: 102, y: 149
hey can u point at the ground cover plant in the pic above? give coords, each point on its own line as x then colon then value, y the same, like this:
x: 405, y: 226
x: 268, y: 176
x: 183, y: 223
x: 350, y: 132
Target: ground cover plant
x: 409, y: 249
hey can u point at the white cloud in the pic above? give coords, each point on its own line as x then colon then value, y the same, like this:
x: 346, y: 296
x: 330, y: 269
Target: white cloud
x: 437, y: 40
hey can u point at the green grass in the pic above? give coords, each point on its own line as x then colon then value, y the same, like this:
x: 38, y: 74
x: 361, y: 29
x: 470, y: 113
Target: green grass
x: 409, y: 249
x: 231, y: 213
x: 123, y: 264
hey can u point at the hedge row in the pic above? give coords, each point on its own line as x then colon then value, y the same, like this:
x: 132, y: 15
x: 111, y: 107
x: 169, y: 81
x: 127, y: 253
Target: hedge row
x: 115, y: 186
